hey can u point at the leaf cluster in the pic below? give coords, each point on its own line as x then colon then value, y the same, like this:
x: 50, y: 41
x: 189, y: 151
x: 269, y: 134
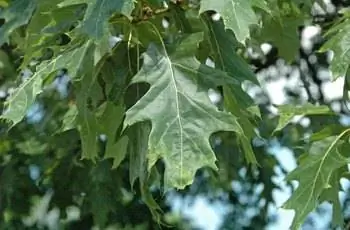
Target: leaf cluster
x: 137, y: 99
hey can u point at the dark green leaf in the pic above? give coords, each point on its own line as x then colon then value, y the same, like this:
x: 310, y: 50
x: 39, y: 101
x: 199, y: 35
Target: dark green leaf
x: 238, y: 15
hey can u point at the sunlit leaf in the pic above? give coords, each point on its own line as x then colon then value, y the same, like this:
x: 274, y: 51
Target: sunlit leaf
x: 314, y: 175
x: 181, y: 113
x: 24, y: 96
x: 14, y: 19
x: 70, y: 119
x: 339, y: 43
x: 287, y: 112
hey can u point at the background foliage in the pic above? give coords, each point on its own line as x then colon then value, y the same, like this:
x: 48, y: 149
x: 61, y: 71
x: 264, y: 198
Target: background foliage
x: 113, y: 111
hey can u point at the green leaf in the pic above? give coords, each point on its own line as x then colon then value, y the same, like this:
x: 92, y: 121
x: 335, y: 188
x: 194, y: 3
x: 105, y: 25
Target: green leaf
x: 238, y: 15
x: 117, y: 151
x: 6, y: 66
x: 138, y: 151
x: 3, y: 3
x: 331, y: 194
x: 182, y: 116
x: 101, y: 196
x: 339, y: 43
x: 235, y: 107
x: 138, y: 136
x: 157, y: 3
x: 109, y: 123
x: 88, y: 123
x: 287, y: 112
x: 282, y: 32
x: 17, y: 14
x: 262, y: 5
x: 70, y: 119
x: 98, y: 12
x: 45, y: 26
x: 329, y: 130
x: 88, y: 128
x: 314, y: 175
x: 24, y: 96
x: 223, y: 45
x: 32, y: 147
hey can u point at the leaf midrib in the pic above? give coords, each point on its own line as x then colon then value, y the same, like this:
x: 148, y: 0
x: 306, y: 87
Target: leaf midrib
x: 178, y: 117
x: 330, y: 148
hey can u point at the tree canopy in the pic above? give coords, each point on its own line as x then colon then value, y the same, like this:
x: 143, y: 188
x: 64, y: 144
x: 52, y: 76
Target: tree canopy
x: 110, y: 108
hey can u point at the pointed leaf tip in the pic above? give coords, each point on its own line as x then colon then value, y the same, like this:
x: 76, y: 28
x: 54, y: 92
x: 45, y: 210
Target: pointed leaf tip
x: 182, y: 116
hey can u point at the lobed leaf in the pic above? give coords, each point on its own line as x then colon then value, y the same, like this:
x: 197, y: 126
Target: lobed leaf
x: 17, y: 14
x: 109, y: 122
x: 237, y: 15
x: 314, y: 175
x: 182, y: 116
x: 24, y: 96
x: 282, y: 32
x: 339, y: 43
x: 224, y: 45
x: 287, y: 112
x: 98, y: 12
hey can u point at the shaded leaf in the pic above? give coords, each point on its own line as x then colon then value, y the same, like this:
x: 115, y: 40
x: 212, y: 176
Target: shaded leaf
x: 138, y: 151
x: 224, y: 45
x: 234, y: 106
x: 101, y: 196
x: 109, y: 123
x: 282, y: 32
x: 331, y: 194
x: 238, y: 15
x: 88, y: 123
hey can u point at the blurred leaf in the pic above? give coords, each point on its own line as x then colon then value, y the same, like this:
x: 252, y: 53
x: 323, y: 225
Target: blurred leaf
x: 32, y: 147
x: 287, y: 112
x: 282, y: 32
x: 70, y: 119
x: 6, y: 67
x: 17, y: 14
x: 329, y: 130
x: 338, y: 42
x: 24, y: 96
